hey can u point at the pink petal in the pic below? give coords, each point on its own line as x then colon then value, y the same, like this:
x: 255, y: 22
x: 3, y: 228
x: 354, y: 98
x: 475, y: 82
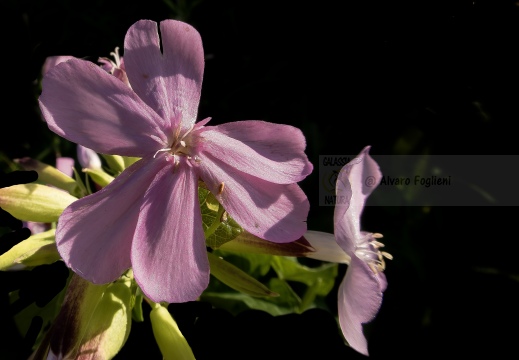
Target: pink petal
x: 52, y: 61
x: 65, y: 165
x: 170, y: 82
x: 94, y: 233
x: 360, y: 298
x: 355, y: 183
x: 169, y: 255
x: 86, y: 105
x: 265, y: 150
x: 273, y: 212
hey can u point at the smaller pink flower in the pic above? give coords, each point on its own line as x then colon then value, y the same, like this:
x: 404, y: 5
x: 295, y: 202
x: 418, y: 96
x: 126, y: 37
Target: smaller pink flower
x: 360, y: 293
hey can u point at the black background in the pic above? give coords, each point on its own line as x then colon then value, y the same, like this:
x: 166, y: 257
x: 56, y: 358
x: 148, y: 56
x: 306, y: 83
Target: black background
x: 438, y: 75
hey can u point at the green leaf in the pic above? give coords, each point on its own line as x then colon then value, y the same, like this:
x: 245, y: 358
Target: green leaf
x: 223, y: 227
x: 235, y: 302
x: 290, y: 269
x: 256, y: 265
x: 237, y: 279
x: 48, y: 313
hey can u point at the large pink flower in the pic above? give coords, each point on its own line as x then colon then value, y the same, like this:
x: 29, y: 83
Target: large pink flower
x: 148, y: 218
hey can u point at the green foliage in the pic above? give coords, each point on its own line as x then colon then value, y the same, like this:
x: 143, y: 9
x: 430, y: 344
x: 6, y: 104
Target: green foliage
x: 299, y: 287
x: 218, y: 225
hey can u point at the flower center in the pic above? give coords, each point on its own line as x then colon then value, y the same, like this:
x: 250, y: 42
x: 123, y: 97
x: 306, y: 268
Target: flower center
x: 369, y: 251
x: 181, y: 147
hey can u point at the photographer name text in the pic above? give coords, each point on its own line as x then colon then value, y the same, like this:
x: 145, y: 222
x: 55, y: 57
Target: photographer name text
x: 417, y: 180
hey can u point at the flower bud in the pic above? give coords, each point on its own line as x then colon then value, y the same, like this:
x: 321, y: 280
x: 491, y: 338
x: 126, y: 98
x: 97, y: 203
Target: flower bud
x: 88, y: 158
x: 172, y: 344
x: 50, y: 175
x: 35, y: 202
x: 93, y: 323
x: 39, y: 249
x: 115, y: 162
x: 99, y: 176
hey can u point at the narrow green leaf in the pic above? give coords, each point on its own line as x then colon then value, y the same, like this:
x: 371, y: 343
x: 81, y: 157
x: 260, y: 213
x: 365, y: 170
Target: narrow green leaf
x: 236, y: 278
x: 99, y: 176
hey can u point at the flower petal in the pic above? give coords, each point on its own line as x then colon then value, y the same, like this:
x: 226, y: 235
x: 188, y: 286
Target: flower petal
x: 86, y: 105
x: 274, y: 212
x: 360, y: 298
x: 169, y: 256
x: 65, y: 165
x: 272, y: 152
x: 326, y: 248
x: 170, y: 82
x: 94, y: 234
x: 355, y: 183
x: 52, y: 61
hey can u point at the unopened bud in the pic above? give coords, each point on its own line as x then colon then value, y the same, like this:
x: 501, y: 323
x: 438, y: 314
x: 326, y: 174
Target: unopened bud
x: 35, y: 202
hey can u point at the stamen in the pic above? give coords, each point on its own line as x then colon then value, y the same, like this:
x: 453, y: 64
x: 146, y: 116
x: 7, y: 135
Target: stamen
x: 220, y: 188
x: 368, y: 250
x: 188, y: 131
x: 372, y: 267
x: 161, y: 150
x: 377, y: 244
x: 116, y: 56
x: 387, y: 255
x: 177, y: 132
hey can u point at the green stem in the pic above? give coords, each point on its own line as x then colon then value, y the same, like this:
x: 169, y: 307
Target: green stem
x: 309, y: 295
x: 211, y: 229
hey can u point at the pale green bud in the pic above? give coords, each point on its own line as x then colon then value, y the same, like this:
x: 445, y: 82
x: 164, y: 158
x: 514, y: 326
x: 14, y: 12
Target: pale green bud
x: 38, y: 249
x: 110, y: 325
x: 50, y: 175
x: 93, y: 323
x: 236, y: 278
x: 35, y: 202
x: 115, y: 162
x: 99, y: 176
x: 172, y: 344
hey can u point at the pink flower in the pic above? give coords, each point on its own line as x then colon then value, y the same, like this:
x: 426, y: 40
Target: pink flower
x: 149, y: 218
x: 361, y: 290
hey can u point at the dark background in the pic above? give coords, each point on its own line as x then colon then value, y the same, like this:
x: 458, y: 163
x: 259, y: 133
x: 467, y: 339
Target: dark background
x: 406, y: 77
